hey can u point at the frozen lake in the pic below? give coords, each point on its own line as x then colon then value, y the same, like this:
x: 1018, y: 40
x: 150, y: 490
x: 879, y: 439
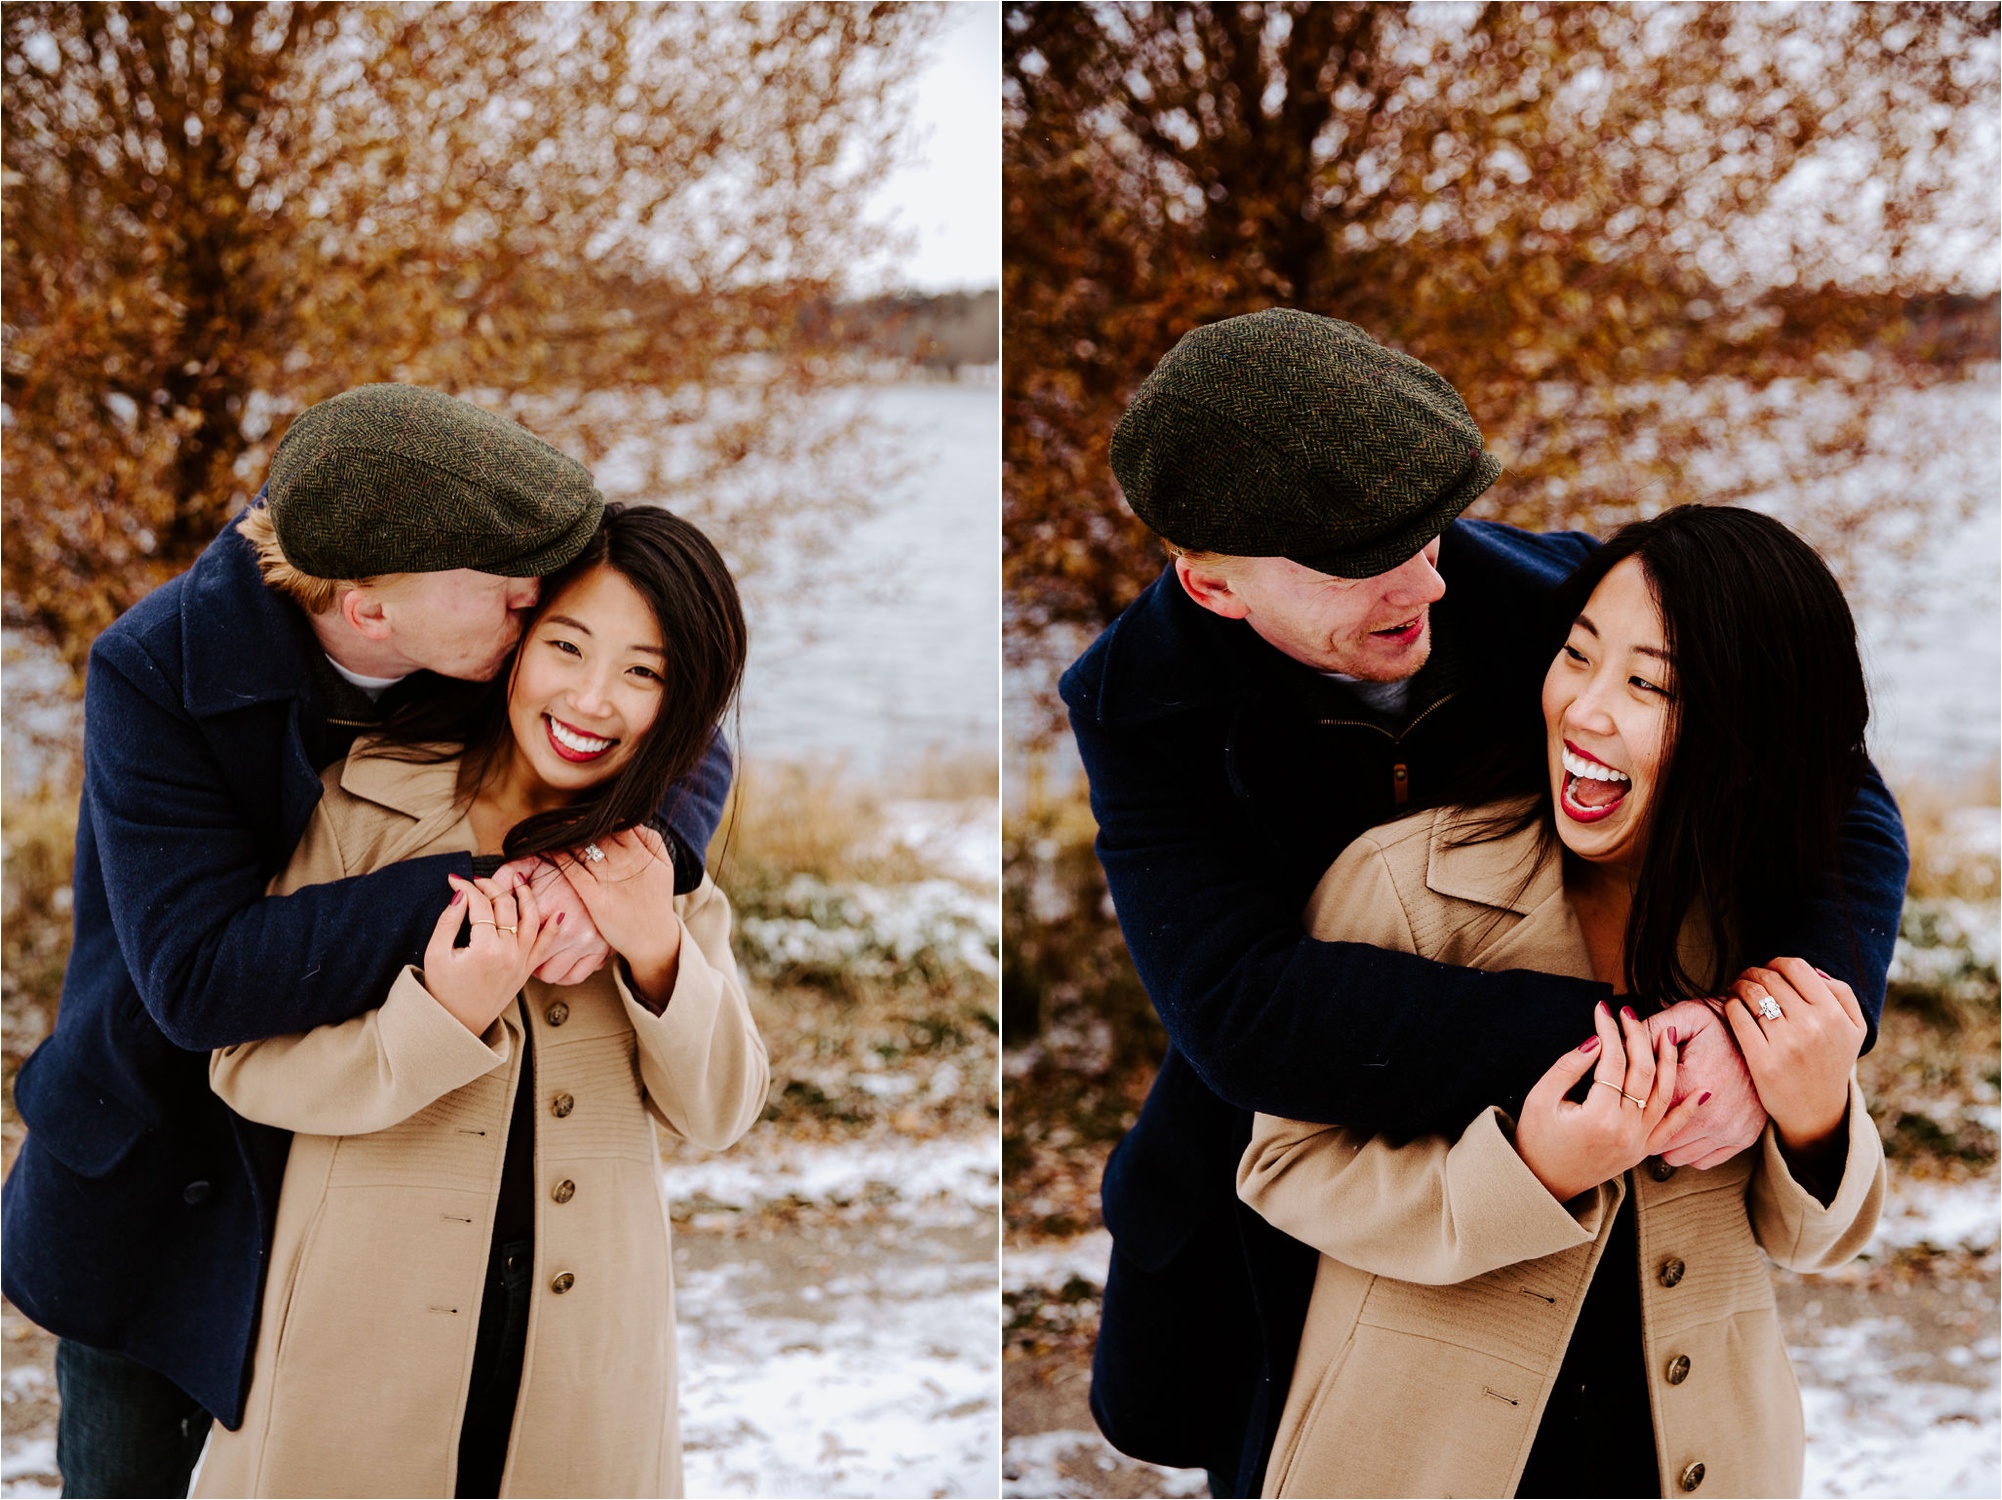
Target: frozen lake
x: 897, y: 650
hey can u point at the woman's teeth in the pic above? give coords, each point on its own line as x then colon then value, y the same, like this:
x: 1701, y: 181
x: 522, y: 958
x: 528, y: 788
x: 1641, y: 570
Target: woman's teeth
x: 571, y: 739
x: 1591, y: 770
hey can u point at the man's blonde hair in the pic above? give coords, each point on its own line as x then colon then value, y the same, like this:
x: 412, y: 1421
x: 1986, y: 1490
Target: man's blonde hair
x: 314, y: 595
x: 1216, y: 562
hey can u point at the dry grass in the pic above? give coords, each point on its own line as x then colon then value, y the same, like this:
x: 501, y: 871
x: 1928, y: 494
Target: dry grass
x: 786, y: 818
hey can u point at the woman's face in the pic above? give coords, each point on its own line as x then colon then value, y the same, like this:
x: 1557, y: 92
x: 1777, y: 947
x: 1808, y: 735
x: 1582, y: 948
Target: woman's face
x: 1606, y: 719
x: 588, y: 681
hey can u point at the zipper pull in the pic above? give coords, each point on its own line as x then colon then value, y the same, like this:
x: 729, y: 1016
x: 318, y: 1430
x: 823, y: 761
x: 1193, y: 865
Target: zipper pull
x: 1400, y: 784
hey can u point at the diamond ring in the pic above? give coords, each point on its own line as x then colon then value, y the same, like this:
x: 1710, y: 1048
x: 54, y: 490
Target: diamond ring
x: 1769, y: 1008
x: 594, y: 854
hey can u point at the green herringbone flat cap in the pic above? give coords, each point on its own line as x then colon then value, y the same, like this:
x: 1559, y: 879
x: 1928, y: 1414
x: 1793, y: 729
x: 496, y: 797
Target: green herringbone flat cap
x: 1284, y: 434
x: 400, y: 479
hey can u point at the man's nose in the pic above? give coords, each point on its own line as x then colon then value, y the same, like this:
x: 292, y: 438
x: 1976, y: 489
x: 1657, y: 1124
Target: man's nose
x: 1417, y: 581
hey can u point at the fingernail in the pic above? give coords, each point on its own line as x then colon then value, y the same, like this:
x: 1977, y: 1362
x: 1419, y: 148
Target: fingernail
x: 1823, y: 973
x: 1628, y: 1012
x: 457, y: 897
x: 1588, y: 1044
x: 1671, y: 1036
x: 559, y: 918
x: 1705, y: 1099
x: 1607, y: 1009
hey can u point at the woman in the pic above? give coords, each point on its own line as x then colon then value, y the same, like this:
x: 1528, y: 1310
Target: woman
x: 1529, y: 1309
x: 481, y: 1118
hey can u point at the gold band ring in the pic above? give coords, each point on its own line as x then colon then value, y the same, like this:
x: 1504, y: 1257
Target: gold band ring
x: 510, y: 931
x: 481, y: 922
x: 1640, y: 1104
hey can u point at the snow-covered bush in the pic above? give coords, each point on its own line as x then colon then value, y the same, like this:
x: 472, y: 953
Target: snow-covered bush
x: 812, y: 931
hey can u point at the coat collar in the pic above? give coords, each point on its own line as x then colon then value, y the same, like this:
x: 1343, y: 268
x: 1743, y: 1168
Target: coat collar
x: 241, y: 644
x: 413, y: 789
x: 1514, y: 873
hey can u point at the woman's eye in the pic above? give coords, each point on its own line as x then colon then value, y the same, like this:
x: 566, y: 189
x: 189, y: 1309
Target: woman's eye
x: 1648, y: 687
x: 568, y: 647
x: 1573, y: 652
x: 647, y: 673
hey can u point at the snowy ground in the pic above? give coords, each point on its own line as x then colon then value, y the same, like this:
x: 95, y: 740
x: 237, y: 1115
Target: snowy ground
x: 1899, y: 1375
x: 838, y: 1322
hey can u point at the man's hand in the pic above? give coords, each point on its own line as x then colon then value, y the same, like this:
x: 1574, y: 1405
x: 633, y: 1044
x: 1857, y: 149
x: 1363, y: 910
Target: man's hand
x: 575, y: 949
x: 1733, y: 1118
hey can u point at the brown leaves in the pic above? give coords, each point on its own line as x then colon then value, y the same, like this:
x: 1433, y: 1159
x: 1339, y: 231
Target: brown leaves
x: 216, y: 216
x: 1577, y: 213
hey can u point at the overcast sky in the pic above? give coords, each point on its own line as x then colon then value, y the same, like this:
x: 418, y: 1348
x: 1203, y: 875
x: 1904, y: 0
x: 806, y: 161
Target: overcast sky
x: 949, y: 193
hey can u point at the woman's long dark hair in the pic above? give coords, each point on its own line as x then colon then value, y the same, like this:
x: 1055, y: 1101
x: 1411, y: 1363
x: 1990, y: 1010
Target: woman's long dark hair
x: 1765, y: 746
x: 682, y: 577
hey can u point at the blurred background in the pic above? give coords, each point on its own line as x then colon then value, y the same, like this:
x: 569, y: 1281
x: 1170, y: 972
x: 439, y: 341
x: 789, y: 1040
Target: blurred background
x: 742, y: 260
x: 1666, y: 253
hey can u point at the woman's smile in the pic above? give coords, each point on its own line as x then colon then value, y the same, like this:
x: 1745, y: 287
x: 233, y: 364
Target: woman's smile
x: 587, y: 682
x: 1606, y: 713
x: 573, y: 744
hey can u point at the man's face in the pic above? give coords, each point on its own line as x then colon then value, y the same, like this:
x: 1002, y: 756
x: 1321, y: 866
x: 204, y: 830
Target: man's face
x: 1378, y: 629
x: 457, y: 624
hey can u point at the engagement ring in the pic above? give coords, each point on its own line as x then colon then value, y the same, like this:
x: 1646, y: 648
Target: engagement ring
x: 594, y: 854
x: 1769, y: 1008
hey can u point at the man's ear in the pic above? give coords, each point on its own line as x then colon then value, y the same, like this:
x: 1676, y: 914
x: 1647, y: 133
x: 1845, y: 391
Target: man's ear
x: 363, y: 613
x: 1210, y: 588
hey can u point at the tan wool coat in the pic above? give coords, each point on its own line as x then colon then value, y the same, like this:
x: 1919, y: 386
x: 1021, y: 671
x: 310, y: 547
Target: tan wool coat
x: 1450, y: 1279
x: 371, y: 1306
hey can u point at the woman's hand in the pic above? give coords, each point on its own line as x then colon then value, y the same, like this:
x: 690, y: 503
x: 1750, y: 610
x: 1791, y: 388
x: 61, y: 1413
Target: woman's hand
x: 1800, y: 1059
x: 476, y: 982
x: 1626, y: 1116
x: 629, y: 893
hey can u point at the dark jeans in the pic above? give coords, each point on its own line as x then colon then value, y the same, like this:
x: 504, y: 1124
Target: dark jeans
x: 124, y: 1430
x: 498, y: 1350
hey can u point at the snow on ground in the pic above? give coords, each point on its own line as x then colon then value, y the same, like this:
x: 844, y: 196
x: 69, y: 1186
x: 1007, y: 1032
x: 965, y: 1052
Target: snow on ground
x: 1946, y: 1216
x: 953, y: 1181
x: 1870, y: 1432
x: 855, y: 1352
x: 1040, y: 1465
x: 959, y: 838
x: 882, y: 1380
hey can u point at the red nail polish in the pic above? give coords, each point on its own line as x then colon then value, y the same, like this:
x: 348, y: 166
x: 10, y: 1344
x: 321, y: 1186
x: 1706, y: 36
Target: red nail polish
x: 1588, y: 1044
x: 559, y: 918
x: 1704, y: 1100
x: 1671, y: 1036
x: 1628, y: 1012
x: 457, y: 897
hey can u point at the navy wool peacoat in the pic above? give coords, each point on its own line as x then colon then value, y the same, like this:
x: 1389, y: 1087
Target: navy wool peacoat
x: 1225, y: 778
x: 139, y: 1213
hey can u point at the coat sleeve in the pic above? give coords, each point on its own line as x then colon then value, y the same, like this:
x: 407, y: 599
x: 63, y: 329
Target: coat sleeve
x: 1276, y: 1021
x: 690, y: 811
x: 1849, y: 926
x: 1793, y: 1226
x: 361, y: 1075
x: 1433, y: 1210
x: 701, y: 1059
x: 184, y: 877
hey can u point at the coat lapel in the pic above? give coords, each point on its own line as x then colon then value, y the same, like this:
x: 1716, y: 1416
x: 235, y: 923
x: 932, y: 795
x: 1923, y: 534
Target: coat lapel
x: 426, y: 794
x: 1514, y: 873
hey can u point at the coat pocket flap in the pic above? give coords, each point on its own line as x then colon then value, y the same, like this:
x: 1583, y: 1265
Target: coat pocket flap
x: 82, y: 1124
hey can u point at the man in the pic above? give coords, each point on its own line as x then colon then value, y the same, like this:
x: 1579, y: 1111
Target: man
x: 402, y: 533
x: 1329, y: 649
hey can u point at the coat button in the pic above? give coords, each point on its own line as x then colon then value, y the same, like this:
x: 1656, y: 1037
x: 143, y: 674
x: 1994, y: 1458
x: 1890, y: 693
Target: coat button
x: 196, y: 1193
x: 1661, y: 1171
x: 558, y: 1013
x: 561, y: 1105
x: 1692, y: 1476
x: 562, y: 1283
x: 564, y: 1191
x: 1678, y: 1369
x: 1671, y: 1271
